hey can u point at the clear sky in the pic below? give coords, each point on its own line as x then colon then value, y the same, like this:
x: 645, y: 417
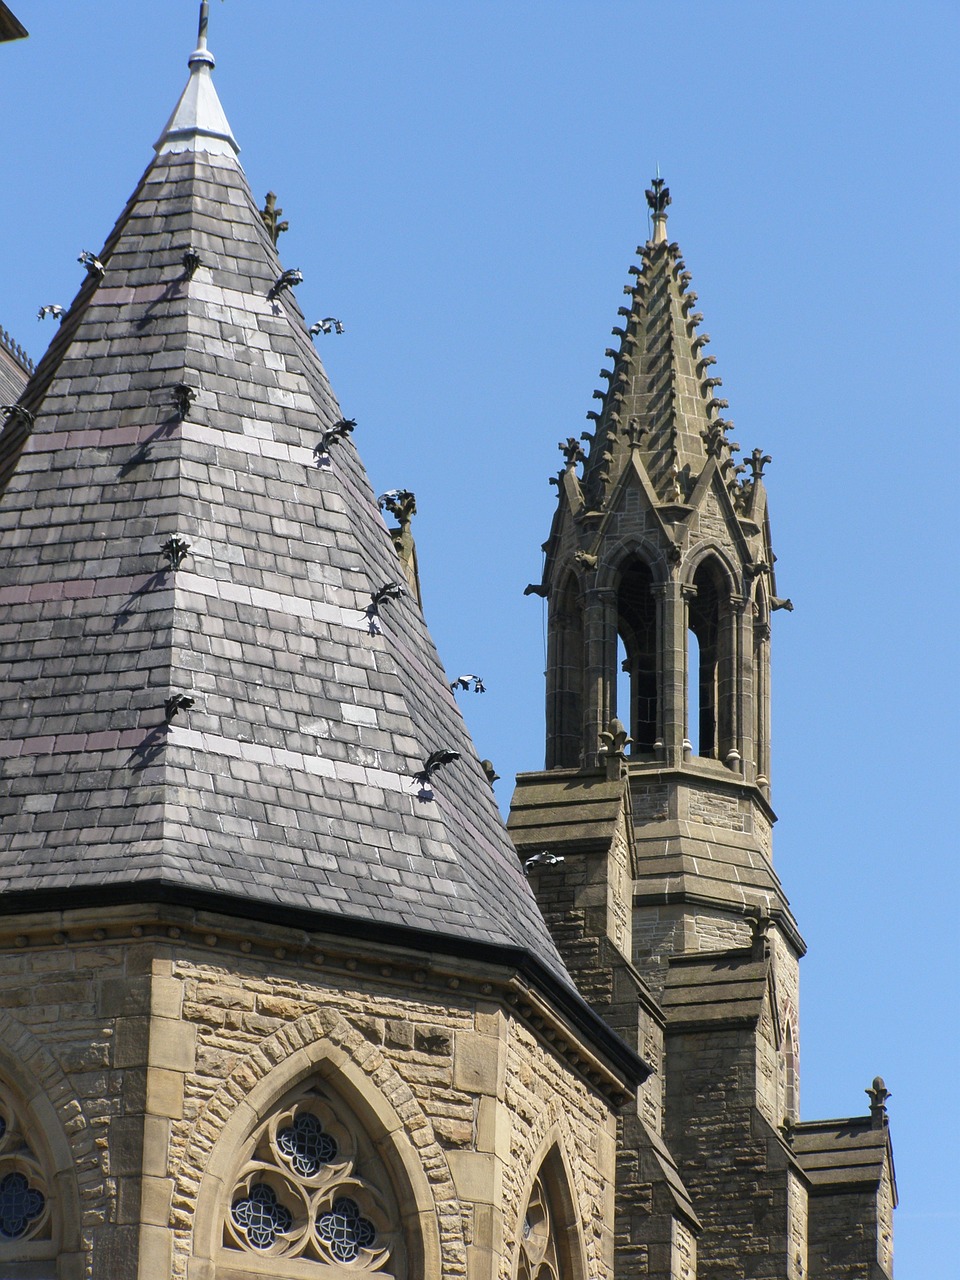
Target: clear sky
x: 464, y: 184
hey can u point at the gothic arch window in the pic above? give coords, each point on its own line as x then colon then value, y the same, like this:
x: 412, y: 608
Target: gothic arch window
x: 711, y: 683
x: 27, y: 1208
x: 549, y: 1239
x: 637, y: 632
x: 566, y: 666
x: 311, y: 1197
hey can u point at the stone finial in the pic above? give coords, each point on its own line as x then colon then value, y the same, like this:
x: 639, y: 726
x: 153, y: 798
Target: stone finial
x: 760, y: 922
x: 614, y: 741
x: 491, y: 774
x: 658, y: 197
x: 572, y: 451
x: 878, y: 1093
x: 270, y: 216
x: 402, y: 505
x: 758, y: 460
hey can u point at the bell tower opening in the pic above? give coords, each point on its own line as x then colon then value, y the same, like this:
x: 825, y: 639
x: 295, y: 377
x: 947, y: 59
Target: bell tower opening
x: 565, y: 673
x: 711, y: 678
x: 637, y: 655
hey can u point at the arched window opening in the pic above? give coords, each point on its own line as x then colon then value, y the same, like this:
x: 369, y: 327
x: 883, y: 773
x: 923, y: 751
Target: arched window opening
x: 311, y: 1186
x: 550, y: 1243
x: 637, y: 629
x: 791, y: 1099
x: 567, y: 668
x: 693, y: 692
x: 710, y: 718
x: 26, y: 1207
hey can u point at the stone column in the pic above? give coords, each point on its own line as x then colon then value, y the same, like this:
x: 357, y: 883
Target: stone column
x: 600, y: 663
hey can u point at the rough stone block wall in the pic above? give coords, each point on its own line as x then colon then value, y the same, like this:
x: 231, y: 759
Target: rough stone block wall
x: 851, y: 1235
x: 750, y: 1201
x: 155, y: 1048
x: 74, y: 1018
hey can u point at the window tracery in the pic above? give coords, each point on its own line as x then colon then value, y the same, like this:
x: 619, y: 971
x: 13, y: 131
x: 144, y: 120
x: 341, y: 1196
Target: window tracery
x: 25, y: 1213
x: 538, y: 1245
x: 312, y: 1189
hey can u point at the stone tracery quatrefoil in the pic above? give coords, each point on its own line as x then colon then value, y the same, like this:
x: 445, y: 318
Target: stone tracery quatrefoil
x: 538, y: 1253
x: 299, y: 1194
x: 24, y: 1206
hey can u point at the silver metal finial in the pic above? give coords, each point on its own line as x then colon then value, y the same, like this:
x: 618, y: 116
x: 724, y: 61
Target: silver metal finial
x: 201, y: 53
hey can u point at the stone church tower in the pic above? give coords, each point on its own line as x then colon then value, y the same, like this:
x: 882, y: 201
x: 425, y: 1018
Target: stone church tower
x: 277, y: 997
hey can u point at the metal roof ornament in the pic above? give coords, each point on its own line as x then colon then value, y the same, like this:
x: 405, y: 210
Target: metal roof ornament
x: 198, y: 122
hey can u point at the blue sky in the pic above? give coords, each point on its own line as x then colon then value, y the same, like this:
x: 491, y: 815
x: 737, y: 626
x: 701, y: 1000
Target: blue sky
x: 465, y: 186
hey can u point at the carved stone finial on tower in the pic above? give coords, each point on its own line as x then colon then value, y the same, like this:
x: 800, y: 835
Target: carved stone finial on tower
x: 878, y: 1094
x: 758, y: 460
x: 760, y: 923
x: 271, y: 217
x: 614, y: 741
x: 658, y: 197
x: 402, y: 505
x: 572, y: 451
x: 636, y: 430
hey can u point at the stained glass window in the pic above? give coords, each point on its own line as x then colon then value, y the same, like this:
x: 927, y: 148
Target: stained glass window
x: 345, y: 1230
x: 313, y: 1187
x: 20, y: 1204
x: 261, y: 1216
x: 306, y: 1146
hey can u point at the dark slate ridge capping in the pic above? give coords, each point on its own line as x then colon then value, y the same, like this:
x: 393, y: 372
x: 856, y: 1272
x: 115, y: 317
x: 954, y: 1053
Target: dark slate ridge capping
x: 624, y: 1061
x: 678, y: 897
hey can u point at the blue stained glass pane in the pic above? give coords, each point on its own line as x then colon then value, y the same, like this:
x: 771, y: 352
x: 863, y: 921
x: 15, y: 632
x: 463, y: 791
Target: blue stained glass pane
x: 306, y: 1146
x: 261, y: 1216
x: 345, y: 1231
x: 20, y: 1204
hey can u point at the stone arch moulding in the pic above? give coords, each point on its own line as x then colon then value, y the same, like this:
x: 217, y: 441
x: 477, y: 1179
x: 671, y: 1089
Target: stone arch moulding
x: 620, y: 553
x: 700, y: 554
x: 36, y: 1096
x: 322, y: 1047
x: 549, y: 1233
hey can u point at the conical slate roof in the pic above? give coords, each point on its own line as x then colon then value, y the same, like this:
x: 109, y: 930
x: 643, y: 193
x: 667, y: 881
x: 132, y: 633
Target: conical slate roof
x: 184, y: 401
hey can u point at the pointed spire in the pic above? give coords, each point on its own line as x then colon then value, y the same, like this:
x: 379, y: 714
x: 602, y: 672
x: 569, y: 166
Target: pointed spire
x: 198, y: 122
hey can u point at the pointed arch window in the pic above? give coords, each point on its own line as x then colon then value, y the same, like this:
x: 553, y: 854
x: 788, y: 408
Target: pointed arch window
x: 637, y: 631
x: 550, y: 1245
x: 312, y: 1188
x: 710, y: 664
x: 565, y: 666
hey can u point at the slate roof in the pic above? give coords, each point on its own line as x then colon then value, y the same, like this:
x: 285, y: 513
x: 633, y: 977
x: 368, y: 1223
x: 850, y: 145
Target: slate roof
x: 288, y: 783
x: 843, y: 1155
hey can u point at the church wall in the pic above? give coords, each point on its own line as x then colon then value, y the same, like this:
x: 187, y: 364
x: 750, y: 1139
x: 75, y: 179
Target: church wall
x: 752, y: 1202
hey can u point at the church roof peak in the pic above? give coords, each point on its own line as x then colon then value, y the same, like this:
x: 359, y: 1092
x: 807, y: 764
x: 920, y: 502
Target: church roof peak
x: 199, y: 122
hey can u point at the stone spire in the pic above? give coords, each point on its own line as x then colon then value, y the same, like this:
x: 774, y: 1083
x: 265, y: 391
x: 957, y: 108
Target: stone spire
x: 660, y: 403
